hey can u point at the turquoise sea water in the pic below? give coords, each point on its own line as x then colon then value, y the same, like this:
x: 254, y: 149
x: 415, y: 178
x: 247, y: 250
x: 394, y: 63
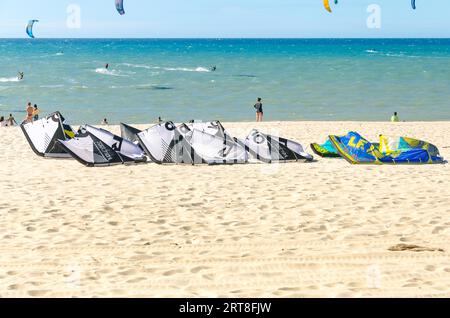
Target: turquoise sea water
x: 315, y: 79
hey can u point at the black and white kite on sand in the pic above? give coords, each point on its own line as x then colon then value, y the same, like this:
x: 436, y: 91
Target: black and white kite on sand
x: 165, y: 143
x: 268, y: 149
x: 216, y: 147
x: 98, y: 147
x: 43, y: 135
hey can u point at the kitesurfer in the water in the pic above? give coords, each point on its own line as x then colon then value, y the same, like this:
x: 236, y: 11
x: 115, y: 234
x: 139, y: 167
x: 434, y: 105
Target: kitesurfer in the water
x: 20, y: 76
x: 107, y: 65
x: 213, y: 69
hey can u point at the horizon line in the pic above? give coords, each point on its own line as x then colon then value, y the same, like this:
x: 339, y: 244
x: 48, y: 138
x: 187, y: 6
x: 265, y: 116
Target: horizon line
x: 226, y: 38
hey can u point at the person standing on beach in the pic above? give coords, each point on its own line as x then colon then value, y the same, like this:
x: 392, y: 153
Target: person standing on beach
x: 104, y: 121
x: 36, y: 112
x: 2, y: 121
x: 11, y: 121
x: 30, y: 111
x: 259, y: 110
x: 394, y: 118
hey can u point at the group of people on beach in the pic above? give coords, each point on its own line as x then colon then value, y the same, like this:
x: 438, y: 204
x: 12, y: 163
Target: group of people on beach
x: 9, y: 122
x: 32, y: 113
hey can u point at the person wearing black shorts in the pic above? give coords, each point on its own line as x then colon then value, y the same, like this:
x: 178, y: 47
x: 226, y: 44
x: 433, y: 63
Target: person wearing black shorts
x: 259, y: 110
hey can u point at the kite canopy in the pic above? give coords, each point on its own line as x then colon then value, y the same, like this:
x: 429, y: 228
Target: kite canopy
x: 129, y: 133
x: 29, y: 28
x: 91, y: 151
x: 125, y: 148
x: 326, y: 4
x: 403, y: 150
x: 43, y: 134
x: 119, y: 7
x: 413, y: 4
x: 270, y: 149
x: 214, y: 149
x: 164, y: 143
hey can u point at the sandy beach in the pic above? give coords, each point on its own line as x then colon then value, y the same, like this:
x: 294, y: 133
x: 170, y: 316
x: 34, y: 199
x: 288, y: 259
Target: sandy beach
x: 326, y: 229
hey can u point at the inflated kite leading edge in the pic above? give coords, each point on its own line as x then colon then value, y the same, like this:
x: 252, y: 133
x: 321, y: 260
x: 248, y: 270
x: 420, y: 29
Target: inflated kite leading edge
x: 29, y: 29
x: 119, y: 7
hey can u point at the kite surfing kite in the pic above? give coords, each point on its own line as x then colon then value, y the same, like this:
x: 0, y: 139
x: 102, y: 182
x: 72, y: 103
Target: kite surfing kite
x: 119, y: 7
x: 43, y: 135
x: 326, y: 4
x: 30, y: 28
x: 413, y: 4
x: 389, y: 150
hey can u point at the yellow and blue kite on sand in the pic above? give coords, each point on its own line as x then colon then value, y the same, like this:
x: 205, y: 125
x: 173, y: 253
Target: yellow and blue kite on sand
x: 390, y: 150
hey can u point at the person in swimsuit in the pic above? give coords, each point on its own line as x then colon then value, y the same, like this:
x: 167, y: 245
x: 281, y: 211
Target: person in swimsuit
x: 259, y: 110
x: 36, y: 112
x: 30, y: 111
x: 2, y: 121
x: 11, y: 121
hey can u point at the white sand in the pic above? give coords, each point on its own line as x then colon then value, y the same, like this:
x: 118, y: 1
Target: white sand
x: 294, y: 230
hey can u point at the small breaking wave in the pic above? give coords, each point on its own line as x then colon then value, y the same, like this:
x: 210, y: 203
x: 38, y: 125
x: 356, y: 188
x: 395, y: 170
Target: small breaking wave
x: 173, y: 69
x: 185, y: 69
x: 104, y: 71
x: 52, y: 86
x: 391, y: 54
x: 138, y: 66
x: 9, y: 79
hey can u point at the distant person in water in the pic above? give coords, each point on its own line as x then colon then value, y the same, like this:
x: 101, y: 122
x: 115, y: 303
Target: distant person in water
x: 259, y: 110
x: 11, y: 121
x: 395, y: 118
x: 104, y: 121
x: 20, y: 76
x: 36, y: 112
x: 30, y: 112
x: 107, y: 66
x: 213, y: 69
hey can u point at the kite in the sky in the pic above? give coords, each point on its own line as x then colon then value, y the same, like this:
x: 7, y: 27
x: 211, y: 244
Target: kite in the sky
x: 413, y: 4
x: 119, y: 7
x: 326, y: 4
x: 30, y: 28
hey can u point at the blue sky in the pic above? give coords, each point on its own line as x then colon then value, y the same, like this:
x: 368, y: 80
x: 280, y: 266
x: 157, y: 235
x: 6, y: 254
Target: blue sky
x: 226, y: 18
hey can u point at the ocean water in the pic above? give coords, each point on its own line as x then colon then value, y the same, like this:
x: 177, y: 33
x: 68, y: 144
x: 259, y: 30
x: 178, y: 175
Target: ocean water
x: 304, y: 79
